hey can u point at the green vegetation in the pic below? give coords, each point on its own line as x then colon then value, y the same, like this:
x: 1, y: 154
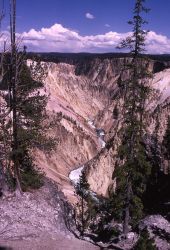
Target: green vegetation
x: 82, y: 189
x: 145, y: 242
x: 24, y: 123
x: 166, y: 144
x: 133, y: 167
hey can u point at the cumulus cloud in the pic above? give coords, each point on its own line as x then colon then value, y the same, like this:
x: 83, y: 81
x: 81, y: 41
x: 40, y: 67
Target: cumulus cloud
x: 58, y: 38
x: 89, y: 16
x: 156, y: 43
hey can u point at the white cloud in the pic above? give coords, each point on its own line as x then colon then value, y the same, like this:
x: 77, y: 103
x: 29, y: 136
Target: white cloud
x: 89, y: 16
x: 107, y: 25
x: 156, y: 43
x: 58, y: 38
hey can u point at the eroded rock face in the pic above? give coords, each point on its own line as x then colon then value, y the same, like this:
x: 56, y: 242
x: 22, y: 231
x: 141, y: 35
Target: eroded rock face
x: 83, y: 91
x: 100, y: 170
x: 73, y: 101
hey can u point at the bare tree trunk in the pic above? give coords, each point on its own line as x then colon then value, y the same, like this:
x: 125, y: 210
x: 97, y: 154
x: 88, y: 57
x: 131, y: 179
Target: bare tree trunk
x: 82, y: 216
x: 127, y: 213
x: 3, y: 184
x: 14, y: 95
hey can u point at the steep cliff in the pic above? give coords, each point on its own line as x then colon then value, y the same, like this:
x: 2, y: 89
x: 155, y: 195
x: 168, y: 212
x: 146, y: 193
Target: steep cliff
x: 83, y: 90
x: 100, y: 169
x: 73, y: 102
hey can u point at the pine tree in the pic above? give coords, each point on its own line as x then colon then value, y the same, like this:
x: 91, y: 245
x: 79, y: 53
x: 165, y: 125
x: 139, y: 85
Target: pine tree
x: 13, y: 94
x: 166, y: 145
x: 159, y: 182
x: 145, y: 242
x: 26, y: 122
x: 5, y: 149
x: 82, y: 190
x: 5, y: 137
x: 32, y: 123
x: 134, y: 167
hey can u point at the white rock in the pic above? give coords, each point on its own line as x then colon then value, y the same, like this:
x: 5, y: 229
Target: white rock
x: 75, y: 175
x: 131, y: 235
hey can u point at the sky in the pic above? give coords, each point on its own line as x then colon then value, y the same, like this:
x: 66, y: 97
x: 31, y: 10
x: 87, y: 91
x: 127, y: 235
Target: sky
x: 86, y: 25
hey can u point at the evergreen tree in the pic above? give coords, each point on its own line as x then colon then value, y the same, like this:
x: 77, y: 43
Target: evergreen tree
x: 166, y: 145
x: 134, y: 167
x: 26, y: 123
x: 5, y: 149
x: 82, y: 190
x: 145, y: 242
x: 32, y: 124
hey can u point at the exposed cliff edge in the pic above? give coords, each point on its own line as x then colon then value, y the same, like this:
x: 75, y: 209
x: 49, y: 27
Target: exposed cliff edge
x: 37, y: 220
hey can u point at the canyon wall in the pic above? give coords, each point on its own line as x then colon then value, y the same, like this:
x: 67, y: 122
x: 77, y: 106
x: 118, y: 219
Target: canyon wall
x: 81, y: 92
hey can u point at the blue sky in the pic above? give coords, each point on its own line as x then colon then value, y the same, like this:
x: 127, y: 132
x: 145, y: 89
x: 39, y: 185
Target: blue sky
x: 93, y: 21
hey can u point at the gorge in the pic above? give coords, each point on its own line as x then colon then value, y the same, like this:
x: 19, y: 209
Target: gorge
x: 82, y: 89
x: 84, y: 100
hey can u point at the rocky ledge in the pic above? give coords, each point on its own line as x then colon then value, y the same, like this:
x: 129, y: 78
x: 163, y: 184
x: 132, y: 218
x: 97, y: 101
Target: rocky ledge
x: 36, y: 220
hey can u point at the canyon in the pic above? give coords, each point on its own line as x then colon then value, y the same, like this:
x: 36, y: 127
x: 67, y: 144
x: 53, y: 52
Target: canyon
x: 84, y: 108
x: 82, y: 92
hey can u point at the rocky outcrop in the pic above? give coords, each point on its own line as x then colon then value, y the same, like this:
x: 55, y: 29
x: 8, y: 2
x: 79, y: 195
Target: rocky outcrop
x: 32, y: 216
x: 37, y: 221
x: 159, y: 229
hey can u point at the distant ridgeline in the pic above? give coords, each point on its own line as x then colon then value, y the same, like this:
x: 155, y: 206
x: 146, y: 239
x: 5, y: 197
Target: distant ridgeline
x: 57, y: 56
x: 161, y: 61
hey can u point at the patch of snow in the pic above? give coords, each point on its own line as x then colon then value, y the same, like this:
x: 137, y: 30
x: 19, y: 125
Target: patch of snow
x: 75, y: 175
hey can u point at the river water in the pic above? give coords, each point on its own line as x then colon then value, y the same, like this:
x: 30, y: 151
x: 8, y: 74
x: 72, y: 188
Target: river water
x: 75, y: 174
